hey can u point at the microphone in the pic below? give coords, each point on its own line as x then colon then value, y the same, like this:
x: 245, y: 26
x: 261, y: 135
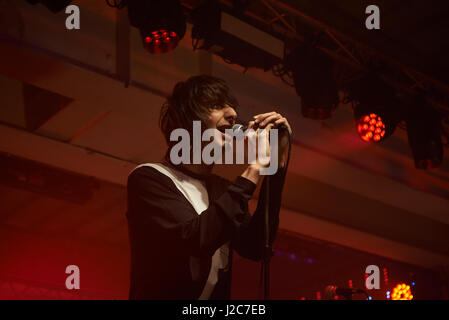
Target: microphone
x: 331, y: 291
x: 240, y: 127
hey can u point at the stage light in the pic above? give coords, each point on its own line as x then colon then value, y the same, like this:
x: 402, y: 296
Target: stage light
x: 402, y: 292
x: 313, y: 75
x: 220, y: 31
x: 424, y: 134
x: 371, y: 128
x: 162, y: 23
x: 53, y: 5
x: 377, y: 110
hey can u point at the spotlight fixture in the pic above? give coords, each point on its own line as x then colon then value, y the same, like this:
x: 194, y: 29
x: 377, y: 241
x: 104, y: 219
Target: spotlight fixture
x: 234, y: 37
x: 378, y: 111
x: 53, y: 5
x: 162, y: 23
x: 313, y: 75
x: 424, y: 134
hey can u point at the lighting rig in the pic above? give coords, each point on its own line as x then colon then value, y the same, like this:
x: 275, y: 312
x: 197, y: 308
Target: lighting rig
x: 317, y: 68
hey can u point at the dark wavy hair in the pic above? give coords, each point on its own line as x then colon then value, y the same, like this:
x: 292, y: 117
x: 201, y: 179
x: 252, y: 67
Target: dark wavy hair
x: 192, y: 100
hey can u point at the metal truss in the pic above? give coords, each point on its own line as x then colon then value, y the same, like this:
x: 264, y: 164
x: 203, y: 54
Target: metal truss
x: 358, y: 56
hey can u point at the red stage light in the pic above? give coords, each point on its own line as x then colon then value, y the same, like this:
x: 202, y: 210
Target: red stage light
x: 158, y: 20
x: 402, y: 292
x: 371, y: 128
x: 164, y: 41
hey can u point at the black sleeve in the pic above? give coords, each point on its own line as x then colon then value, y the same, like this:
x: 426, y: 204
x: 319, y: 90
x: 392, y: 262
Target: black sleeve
x: 248, y: 239
x: 154, y: 201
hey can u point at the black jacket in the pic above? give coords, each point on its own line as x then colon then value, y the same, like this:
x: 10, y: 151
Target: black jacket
x: 172, y: 246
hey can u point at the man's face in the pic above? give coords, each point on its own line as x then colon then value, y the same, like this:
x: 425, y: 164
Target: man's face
x: 222, y: 119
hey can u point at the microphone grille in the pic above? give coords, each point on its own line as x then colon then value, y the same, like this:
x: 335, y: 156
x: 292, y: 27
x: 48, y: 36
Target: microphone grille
x: 238, y: 127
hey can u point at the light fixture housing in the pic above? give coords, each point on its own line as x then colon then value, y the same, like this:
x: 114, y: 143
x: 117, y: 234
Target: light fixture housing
x: 378, y: 110
x: 234, y: 37
x: 162, y: 23
x: 424, y: 134
x: 313, y: 75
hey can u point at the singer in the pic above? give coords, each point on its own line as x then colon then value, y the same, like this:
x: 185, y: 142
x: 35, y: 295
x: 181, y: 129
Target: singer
x: 184, y: 222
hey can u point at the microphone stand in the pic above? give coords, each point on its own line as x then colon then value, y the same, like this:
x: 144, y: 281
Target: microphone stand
x: 268, y: 252
x: 268, y: 249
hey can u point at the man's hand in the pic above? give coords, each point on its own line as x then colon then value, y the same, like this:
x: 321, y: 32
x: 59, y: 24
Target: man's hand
x: 275, y: 120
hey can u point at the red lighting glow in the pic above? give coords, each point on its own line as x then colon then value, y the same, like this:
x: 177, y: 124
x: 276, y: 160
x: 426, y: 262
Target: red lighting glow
x: 371, y: 128
x: 385, y: 275
x: 402, y: 292
x: 161, y: 41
